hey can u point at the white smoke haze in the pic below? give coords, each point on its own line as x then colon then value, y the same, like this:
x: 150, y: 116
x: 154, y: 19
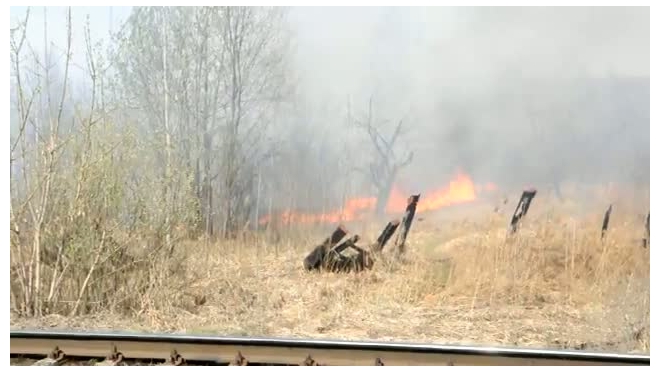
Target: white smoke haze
x: 510, y: 95
x: 506, y: 93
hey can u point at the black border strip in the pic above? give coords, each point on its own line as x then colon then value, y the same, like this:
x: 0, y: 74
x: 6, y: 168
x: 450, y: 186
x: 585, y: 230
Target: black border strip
x: 528, y: 353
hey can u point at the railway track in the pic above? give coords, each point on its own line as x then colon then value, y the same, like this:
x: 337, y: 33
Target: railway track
x: 135, y: 348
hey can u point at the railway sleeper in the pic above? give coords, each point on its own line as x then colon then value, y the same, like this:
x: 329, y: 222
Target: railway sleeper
x: 55, y: 358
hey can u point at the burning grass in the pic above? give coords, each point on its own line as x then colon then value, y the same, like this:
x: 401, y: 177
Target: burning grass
x: 553, y: 284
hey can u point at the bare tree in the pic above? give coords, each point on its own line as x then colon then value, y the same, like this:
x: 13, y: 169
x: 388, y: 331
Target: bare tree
x: 221, y: 88
x: 254, y: 43
x: 162, y: 89
x: 386, y: 164
x: 82, y: 200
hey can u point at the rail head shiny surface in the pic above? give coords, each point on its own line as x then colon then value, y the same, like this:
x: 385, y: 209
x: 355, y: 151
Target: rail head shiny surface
x: 323, y: 345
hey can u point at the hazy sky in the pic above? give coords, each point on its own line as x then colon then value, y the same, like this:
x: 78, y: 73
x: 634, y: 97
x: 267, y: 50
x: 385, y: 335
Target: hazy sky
x: 538, y: 40
x: 101, y: 19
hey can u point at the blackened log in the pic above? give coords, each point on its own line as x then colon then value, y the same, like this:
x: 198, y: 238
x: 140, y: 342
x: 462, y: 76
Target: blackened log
x: 606, y: 222
x: 407, y: 222
x: 344, y: 245
x: 315, y: 259
x: 363, y: 260
x: 336, y: 262
x: 385, y: 235
x: 336, y: 236
x: 522, y: 208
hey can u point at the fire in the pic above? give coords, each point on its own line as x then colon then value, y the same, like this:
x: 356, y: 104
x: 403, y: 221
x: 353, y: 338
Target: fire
x: 461, y: 189
x: 353, y: 209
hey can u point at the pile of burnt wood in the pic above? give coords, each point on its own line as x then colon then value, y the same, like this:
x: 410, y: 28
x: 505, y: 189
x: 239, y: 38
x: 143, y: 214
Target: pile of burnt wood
x: 331, y: 255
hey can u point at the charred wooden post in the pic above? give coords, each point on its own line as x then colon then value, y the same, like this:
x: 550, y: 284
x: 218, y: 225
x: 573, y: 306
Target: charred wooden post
x: 385, y: 236
x: 315, y: 259
x: 407, y: 222
x: 606, y: 222
x: 336, y: 236
x: 521, y: 209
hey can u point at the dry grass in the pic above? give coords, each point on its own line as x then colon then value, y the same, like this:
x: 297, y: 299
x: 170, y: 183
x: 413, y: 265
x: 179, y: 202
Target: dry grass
x: 555, y: 284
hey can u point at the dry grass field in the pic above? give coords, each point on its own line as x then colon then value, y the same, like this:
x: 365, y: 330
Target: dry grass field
x: 555, y: 284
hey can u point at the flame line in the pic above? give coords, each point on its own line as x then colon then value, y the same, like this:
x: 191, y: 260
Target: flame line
x: 460, y: 190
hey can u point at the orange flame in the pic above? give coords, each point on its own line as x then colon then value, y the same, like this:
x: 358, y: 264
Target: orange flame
x: 460, y: 190
x: 353, y: 209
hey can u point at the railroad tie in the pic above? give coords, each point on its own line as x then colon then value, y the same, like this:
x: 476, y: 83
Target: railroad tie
x: 55, y: 358
x: 115, y: 358
x: 239, y: 360
x: 309, y: 361
x: 175, y: 359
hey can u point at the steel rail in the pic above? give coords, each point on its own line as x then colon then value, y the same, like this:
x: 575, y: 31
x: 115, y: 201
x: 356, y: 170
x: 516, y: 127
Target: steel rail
x: 294, y: 351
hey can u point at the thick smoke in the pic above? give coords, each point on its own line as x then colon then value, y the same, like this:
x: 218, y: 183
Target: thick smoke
x: 512, y: 95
